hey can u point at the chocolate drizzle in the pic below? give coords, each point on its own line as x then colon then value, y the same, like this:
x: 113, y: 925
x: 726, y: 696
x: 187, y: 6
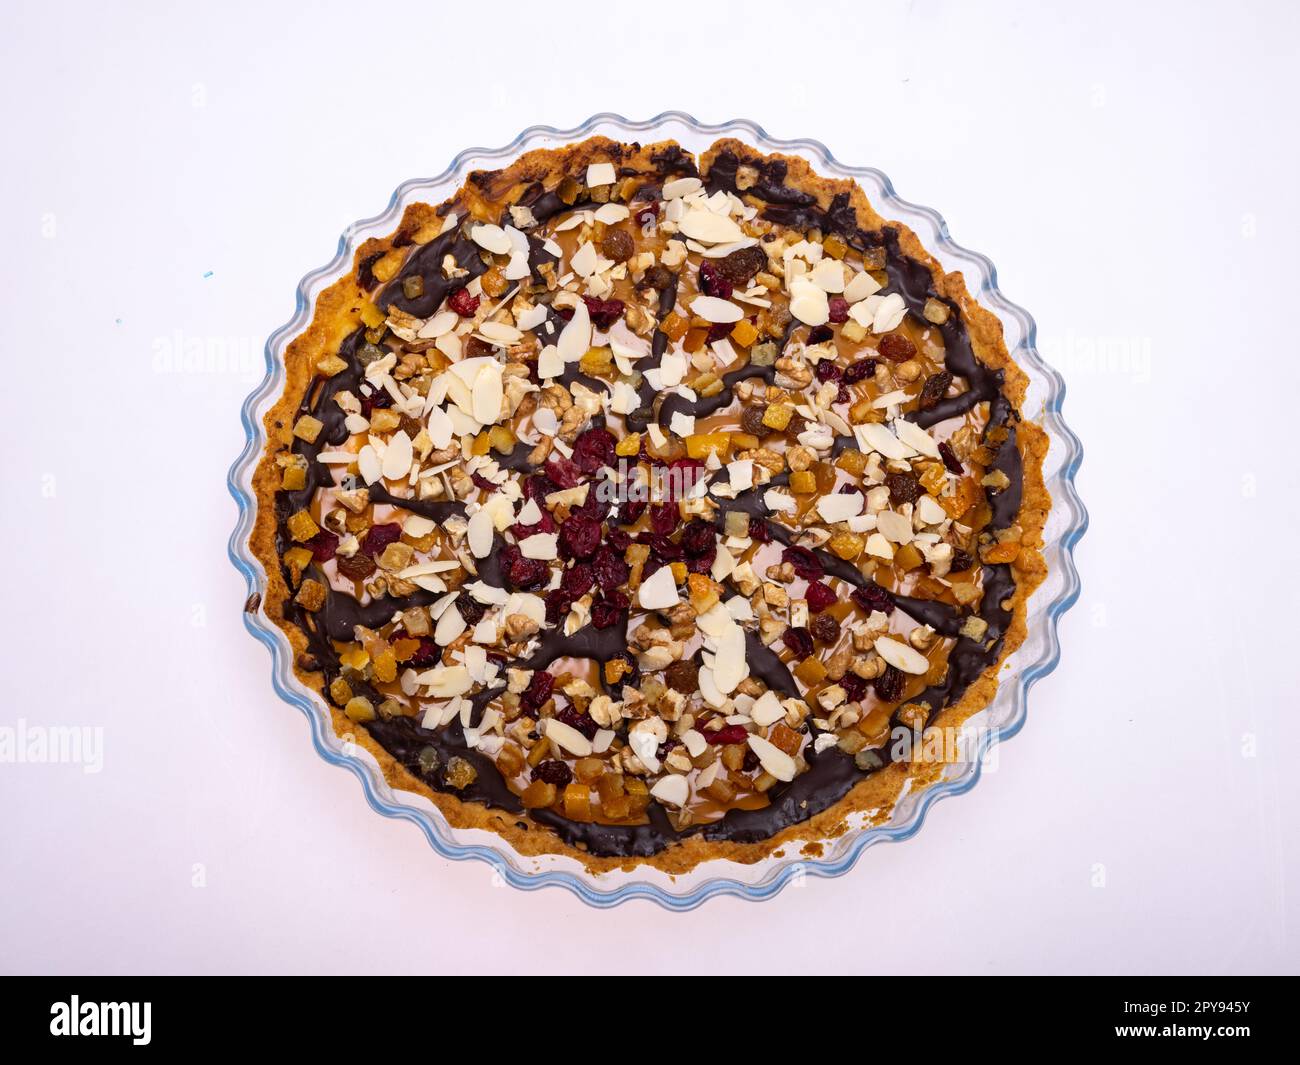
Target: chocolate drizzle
x: 830, y: 773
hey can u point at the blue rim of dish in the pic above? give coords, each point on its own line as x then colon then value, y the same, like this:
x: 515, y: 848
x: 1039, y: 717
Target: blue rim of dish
x: 1063, y: 574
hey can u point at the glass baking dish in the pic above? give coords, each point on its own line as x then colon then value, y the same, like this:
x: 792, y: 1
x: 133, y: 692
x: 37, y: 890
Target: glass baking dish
x: 1036, y: 658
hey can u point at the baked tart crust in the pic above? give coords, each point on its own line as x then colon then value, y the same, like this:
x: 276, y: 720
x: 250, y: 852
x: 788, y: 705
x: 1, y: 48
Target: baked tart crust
x: 740, y: 315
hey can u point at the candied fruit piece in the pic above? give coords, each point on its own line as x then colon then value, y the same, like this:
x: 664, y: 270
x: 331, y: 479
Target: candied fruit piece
x: 307, y: 428
x: 777, y: 416
x: 509, y: 762
x: 537, y: 795
x: 846, y: 545
x: 1004, y: 552
x: 810, y: 671
x: 331, y: 366
x: 852, y: 461
x: 359, y: 708
x: 744, y: 333
x: 340, y: 691
x: 699, y: 445
x: 803, y: 482
x: 297, y: 560
x: 674, y: 326
x: 355, y: 657
x: 311, y: 596
x: 630, y: 445
x: 294, y: 478
x: 696, y: 338
x: 784, y: 737
x: 371, y: 315
x: 459, y: 774
x: 935, y: 311
x: 596, y: 362
x: 907, y: 557
x: 577, y: 802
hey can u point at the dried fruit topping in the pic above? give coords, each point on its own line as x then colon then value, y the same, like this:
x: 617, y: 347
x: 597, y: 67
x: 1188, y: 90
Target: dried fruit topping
x: 854, y: 687
x: 603, y: 313
x: 961, y: 561
x: 647, y: 213
x: 323, y: 545
x: 683, y: 677
x: 825, y: 628
x: 859, y: 371
x: 839, y: 309
x: 552, y: 772
x: 889, y: 685
x: 578, y: 579
x: 539, y: 689
x: 829, y: 370
x: 617, y: 245
x: 727, y: 734
x: 799, y: 640
x: 594, y: 449
x: 895, y: 347
x: 698, y: 538
x: 751, y: 422
x: 563, y: 472
x: 357, y: 568
x: 523, y: 574
x: 380, y: 536
x: 664, y: 518
x: 712, y: 283
x: 759, y: 531
x: 819, y: 596
x: 604, y: 613
x: 463, y: 303
x: 558, y: 602
x: 950, y: 459
x: 579, y: 536
x: 936, y: 386
x: 903, y: 488
x: 574, y: 718
x: 873, y: 597
x: 610, y: 570
x: 741, y: 265
x: 805, y: 563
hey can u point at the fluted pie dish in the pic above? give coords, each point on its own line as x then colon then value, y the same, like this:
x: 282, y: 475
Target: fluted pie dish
x: 648, y: 501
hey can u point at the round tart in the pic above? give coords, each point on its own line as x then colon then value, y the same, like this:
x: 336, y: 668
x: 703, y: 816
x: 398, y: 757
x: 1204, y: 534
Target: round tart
x: 649, y: 508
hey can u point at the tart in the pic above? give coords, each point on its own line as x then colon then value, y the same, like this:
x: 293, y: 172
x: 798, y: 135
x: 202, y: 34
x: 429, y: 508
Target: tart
x: 647, y: 508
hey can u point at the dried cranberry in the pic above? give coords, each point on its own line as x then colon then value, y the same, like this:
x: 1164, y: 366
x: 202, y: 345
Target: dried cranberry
x: 819, y: 596
x: 603, y: 313
x: 544, y: 524
x: 522, y: 573
x: 895, y: 347
x: 829, y: 370
x: 873, y: 597
x: 565, y: 473
x: 718, y: 330
x: 578, y: 579
x: 854, y: 687
x: 839, y: 309
x: 427, y: 654
x: 539, y: 689
x: 648, y: 213
x: 604, y: 614
x: 726, y: 734
x: 594, y: 449
x: 323, y: 545
x: 805, y: 563
x: 579, y: 536
x: 889, y: 685
x: 934, y: 389
x: 683, y: 476
x: 664, y: 518
x: 702, y: 563
x: 903, y: 488
x: 597, y: 504
x: 799, y: 640
x: 482, y: 482
x: 712, y: 283
x: 553, y: 772
x: 661, y: 547
x: 759, y: 531
x: 950, y: 459
x: 819, y: 334
x: 825, y: 628
x: 558, y: 603
x: 742, y: 264
x: 538, y: 487
x: 582, y: 722
x: 378, y: 399
x: 619, y: 540
x: 609, y: 568
x: 380, y: 536
x: 961, y: 561
x: 463, y: 303
x: 630, y: 510
x: 859, y: 371
x: 698, y: 538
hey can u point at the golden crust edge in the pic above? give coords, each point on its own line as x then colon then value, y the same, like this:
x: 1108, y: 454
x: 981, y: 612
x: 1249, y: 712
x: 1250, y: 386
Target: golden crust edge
x: 337, y: 314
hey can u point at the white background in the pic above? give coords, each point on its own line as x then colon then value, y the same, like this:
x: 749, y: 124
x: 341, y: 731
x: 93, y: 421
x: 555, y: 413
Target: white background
x: 170, y: 174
